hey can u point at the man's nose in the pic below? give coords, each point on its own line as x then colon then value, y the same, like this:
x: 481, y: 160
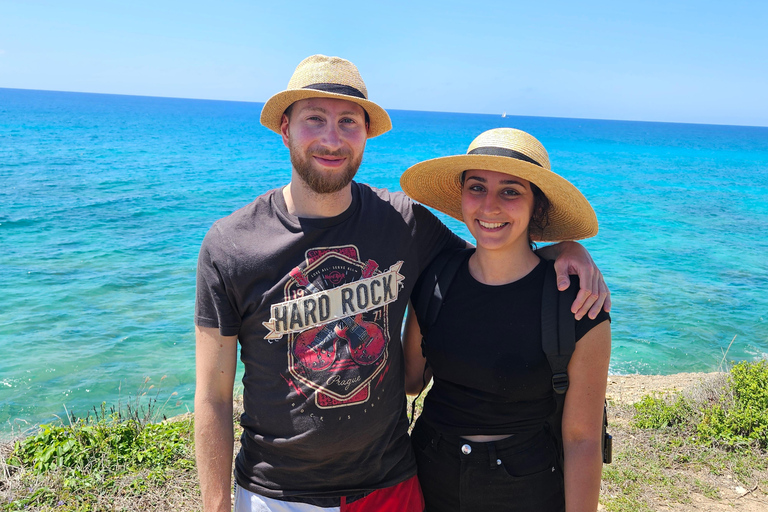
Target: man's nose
x: 332, y: 137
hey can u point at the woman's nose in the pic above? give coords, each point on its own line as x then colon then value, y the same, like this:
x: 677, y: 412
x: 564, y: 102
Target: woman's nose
x: 491, y: 203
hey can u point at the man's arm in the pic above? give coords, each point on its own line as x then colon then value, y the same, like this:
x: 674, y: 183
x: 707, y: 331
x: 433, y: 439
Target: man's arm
x: 216, y: 362
x: 573, y: 258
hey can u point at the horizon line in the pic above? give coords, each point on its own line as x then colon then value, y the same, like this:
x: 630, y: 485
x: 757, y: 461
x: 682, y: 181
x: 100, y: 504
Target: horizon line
x: 399, y: 109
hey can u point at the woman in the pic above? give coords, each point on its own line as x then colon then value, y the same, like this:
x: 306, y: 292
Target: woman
x: 484, y: 440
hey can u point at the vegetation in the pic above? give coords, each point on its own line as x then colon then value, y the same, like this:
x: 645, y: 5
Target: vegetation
x: 710, y: 442
x: 675, y: 448
x: 733, y: 415
x: 112, y: 459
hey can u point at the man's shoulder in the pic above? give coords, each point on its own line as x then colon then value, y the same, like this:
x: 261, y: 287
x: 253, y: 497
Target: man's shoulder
x: 242, y: 222
x: 398, y: 199
x: 242, y: 217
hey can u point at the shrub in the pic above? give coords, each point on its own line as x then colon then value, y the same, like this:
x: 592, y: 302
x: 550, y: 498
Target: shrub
x: 744, y: 419
x: 655, y: 412
x: 736, y: 415
x: 117, y: 451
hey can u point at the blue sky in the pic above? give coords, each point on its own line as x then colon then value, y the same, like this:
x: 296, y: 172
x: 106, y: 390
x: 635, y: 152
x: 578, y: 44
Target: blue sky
x: 680, y: 61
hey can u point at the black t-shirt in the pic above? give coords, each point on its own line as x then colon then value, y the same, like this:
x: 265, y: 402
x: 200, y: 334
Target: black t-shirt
x: 491, y: 375
x: 317, y: 305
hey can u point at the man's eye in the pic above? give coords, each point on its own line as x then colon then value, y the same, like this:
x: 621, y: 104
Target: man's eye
x: 348, y: 120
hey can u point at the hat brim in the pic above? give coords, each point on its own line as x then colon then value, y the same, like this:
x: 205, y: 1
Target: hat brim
x: 437, y: 183
x: 272, y: 113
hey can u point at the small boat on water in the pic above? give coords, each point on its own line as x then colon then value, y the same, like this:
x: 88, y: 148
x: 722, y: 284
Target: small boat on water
x: 504, y: 114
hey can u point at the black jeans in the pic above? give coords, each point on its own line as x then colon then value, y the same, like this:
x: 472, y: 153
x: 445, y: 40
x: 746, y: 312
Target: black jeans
x: 519, y: 473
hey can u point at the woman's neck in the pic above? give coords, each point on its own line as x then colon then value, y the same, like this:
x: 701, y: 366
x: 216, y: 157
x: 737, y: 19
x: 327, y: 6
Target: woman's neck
x: 502, y: 267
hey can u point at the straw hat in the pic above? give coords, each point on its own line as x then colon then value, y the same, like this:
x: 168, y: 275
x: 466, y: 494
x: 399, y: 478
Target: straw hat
x: 319, y: 76
x: 437, y: 182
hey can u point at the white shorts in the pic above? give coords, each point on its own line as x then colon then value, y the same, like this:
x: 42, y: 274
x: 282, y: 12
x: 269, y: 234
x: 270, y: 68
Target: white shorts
x: 247, y: 501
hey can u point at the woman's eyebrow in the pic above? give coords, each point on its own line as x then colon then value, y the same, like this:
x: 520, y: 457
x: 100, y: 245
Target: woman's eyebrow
x: 511, y: 181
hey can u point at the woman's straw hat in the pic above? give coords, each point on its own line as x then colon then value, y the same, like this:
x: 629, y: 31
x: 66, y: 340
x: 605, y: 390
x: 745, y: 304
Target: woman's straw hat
x: 319, y: 76
x: 437, y: 182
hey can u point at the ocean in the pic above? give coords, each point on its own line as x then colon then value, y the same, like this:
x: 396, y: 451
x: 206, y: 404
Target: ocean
x: 105, y: 199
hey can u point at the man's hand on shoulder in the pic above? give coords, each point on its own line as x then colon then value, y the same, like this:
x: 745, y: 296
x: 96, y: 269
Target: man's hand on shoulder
x: 573, y: 258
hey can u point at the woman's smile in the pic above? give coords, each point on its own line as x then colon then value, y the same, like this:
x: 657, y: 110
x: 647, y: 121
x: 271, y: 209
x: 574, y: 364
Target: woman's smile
x: 491, y: 225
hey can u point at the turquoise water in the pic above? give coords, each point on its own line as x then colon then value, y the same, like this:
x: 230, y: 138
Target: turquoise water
x: 104, y: 201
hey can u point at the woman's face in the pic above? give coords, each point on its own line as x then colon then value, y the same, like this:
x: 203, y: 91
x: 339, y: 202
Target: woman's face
x: 497, y: 209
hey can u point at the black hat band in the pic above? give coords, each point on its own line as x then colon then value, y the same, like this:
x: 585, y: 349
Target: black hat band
x: 337, y: 89
x: 511, y: 153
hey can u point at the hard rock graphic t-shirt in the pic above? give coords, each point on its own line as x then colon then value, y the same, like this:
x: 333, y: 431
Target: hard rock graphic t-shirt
x: 317, y: 305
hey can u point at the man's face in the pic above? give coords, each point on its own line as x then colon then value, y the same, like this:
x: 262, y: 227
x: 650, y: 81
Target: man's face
x: 326, y: 138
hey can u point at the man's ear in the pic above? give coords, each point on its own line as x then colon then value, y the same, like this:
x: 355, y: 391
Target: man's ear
x: 284, y: 129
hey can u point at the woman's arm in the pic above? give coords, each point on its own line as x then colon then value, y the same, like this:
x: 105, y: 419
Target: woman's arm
x: 583, y: 419
x: 414, y: 360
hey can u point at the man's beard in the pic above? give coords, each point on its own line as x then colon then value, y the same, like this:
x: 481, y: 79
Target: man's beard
x: 319, y: 182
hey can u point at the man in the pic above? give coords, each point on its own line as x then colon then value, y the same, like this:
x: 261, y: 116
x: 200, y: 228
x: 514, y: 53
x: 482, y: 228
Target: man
x: 313, y: 280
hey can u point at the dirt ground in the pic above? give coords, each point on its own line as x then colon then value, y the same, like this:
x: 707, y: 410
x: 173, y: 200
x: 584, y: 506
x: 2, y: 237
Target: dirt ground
x: 629, y: 389
x: 621, y: 392
x: 625, y: 390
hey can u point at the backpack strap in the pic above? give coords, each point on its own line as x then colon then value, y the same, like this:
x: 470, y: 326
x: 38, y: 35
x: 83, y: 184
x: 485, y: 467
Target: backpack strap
x: 558, y: 340
x: 558, y: 329
x: 432, y: 287
x: 427, y: 298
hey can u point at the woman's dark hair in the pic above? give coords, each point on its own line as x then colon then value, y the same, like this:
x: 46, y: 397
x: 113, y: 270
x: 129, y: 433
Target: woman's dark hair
x: 540, y: 217
x: 541, y: 206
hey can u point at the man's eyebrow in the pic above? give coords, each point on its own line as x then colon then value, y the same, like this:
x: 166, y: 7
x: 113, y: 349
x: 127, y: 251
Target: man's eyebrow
x: 315, y: 108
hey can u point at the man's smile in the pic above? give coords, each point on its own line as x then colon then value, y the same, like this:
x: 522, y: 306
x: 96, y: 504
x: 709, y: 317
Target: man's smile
x: 330, y: 161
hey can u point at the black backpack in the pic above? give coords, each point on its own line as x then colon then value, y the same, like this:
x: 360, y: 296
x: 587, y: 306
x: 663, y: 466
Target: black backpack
x: 558, y: 329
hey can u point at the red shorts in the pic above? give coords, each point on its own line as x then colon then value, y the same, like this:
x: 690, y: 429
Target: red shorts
x: 403, y: 497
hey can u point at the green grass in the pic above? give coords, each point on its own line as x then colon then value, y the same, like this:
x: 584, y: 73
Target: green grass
x: 677, y: 445
x: 101, y: 462
x: 735, y: 416
x: 667, y: 449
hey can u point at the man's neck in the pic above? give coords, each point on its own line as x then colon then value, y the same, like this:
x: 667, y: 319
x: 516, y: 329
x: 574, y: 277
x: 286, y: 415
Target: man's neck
x: 304, y: 202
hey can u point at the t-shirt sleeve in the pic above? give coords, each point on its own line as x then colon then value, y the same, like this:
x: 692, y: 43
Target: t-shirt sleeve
x: 213, y: 304
x: 432, y: 236
x: 586, y: 324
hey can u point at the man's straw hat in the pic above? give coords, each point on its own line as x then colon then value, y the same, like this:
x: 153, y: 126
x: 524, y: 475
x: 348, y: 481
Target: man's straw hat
x: 437, y: 182
x: 319, y: 76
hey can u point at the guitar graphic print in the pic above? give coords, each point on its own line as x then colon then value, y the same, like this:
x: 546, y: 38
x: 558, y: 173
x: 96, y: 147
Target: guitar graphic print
x: 317, y: 349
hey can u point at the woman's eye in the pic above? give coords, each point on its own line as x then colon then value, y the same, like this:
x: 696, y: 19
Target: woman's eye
x: 511, y: 192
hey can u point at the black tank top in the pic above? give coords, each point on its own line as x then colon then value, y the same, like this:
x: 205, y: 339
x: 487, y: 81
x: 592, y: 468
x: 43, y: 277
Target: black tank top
x: 491, y: 375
